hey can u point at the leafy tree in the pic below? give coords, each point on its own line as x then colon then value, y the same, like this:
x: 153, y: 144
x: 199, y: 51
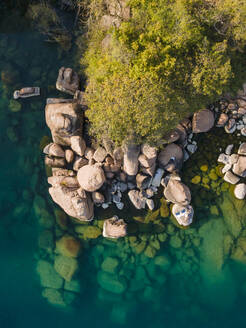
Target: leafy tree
x: 171, y: 58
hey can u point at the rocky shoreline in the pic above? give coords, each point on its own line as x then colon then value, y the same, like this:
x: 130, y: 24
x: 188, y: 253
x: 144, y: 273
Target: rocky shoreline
x: 84, y: 176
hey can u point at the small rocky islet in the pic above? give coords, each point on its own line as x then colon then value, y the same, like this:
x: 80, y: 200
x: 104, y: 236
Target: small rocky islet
x: 157, y: 257
x: 87, y: 180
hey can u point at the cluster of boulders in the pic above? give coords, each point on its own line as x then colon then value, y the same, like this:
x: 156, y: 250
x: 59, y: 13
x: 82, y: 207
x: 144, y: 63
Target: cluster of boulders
x: 232, y: 115
x: 84, y: 176
x: 235, y: 168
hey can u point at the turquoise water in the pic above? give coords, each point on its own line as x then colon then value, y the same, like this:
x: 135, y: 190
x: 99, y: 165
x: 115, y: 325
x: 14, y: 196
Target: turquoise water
x: 159, y: 276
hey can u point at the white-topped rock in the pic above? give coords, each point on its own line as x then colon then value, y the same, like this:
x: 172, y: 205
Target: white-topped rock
x: 114, y: 228
x: 150, y: 203
x: 240, y: 191
x: 226, y: 168
x: 183, y: 214
x: 229, y: 149
x: 223, y: 158
x: 239, y: 167
x: 242, y: 149
x: 231, y: 178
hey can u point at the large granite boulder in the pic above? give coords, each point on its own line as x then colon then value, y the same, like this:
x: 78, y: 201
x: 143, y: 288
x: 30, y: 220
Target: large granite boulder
x: 64, y: 120
x: 71, y: 201
x: 183, y: 214
x: 91, y: 177
x: 114, y: 228
x: 78, y: 145
x: 239, y: 168
x: 67, y: 81
x: 171, y: 157
x: 177, y: 192
x: 202, y: 121
x: 131, y: 152
x: 52, y: 149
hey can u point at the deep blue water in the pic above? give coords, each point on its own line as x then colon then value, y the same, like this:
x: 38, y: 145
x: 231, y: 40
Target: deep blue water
x: 202, y: 282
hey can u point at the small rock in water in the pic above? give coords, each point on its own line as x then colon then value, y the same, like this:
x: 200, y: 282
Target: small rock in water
x: 150, y: 204
x: 223, y: 158
x: 192, y: 148
x: 240, y: 191
x: 229, y: 149
x: 183, y: 214
x: 157, y: 178
x: 226, y: 168
x: 231, y: 178
x: 243, y: 132
x: 242, y: 149
x: 120, y: 206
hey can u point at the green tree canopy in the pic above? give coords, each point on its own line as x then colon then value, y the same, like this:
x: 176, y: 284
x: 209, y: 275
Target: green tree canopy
x: 171, y: 58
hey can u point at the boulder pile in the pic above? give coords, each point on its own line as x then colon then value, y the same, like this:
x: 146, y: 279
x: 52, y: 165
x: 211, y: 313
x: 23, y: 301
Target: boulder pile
x: 84, y: 176
x: 235, y: 168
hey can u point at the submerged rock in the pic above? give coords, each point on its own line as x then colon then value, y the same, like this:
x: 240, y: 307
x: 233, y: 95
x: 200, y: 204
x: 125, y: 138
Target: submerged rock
x: 68, y: 246
x: 111, y: 282
x: 48, y: 276
x: 65, y: 266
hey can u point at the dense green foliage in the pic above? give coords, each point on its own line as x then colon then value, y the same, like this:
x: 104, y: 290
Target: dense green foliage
x: 168, y: 60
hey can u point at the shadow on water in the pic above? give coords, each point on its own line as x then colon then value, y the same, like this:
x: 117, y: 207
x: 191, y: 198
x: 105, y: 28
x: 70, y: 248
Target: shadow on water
x: 159, y: 276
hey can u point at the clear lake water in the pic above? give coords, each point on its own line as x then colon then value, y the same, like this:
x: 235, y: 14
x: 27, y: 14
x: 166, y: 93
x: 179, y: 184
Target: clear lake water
x: 159, y: 276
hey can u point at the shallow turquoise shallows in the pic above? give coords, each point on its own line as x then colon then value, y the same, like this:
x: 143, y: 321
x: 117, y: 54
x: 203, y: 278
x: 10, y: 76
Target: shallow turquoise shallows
x: 159, y: 276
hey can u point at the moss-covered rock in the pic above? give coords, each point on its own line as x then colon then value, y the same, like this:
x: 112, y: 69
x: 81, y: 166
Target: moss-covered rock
x: 164, y: 209
x: 68, y: 246
x: 88, y: 232
x: 150, y: 251
x: 14, y: 105
x: 163, y: 262
x: 61, y: 219
x: 196, y: 179
x: 54, y: 296
x: 48, y: 276
x: 110, y: 264
x: 175, y: 241
x: 204, y: 168
x: 111, y: 282
x: 212, y: 175
x: 65, y: 266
